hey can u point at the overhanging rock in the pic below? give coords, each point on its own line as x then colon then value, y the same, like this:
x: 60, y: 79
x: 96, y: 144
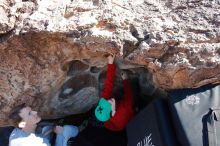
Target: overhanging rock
x: 53, y: 54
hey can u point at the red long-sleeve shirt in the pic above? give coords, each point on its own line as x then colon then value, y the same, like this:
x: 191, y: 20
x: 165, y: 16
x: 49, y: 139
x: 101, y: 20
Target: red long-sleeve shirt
x: 124, y: 108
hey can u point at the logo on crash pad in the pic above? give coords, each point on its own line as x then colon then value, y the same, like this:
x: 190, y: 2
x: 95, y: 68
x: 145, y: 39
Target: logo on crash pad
x: 192, y: 100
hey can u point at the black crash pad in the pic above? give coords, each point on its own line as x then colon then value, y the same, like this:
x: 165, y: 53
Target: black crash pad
x: 151, y: 127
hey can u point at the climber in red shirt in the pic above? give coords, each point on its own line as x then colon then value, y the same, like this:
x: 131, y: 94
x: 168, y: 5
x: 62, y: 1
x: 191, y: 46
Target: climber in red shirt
x: 115, y: 114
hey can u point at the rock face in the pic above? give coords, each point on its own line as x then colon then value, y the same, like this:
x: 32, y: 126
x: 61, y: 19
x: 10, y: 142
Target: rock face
x: 53, y: 54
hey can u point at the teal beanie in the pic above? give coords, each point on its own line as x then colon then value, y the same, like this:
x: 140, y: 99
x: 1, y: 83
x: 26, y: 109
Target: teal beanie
x: 103, y: 110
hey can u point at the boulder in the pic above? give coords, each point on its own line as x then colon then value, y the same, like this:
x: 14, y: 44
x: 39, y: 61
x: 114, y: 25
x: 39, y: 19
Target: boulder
x: 53, y: 54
